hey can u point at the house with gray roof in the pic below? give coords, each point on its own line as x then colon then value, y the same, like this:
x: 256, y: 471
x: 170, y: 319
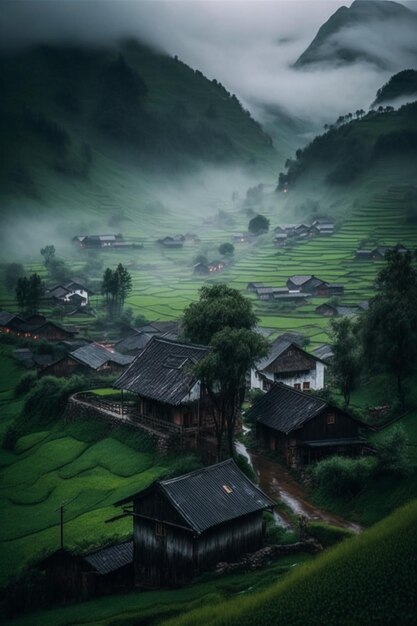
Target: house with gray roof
x: 288, y: 363
x: 186, y: 525
x: 167, y: 391
x: 304, y: 428
x: 88, y: 360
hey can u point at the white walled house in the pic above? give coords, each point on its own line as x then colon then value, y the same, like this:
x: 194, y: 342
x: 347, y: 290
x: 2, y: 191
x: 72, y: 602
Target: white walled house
x: 288, y: 363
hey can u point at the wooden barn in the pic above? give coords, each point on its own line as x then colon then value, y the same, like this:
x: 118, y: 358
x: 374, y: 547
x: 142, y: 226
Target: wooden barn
x: 70, y: 576
x: 304, y: 428
x: 186, y: 525
x: 287, y: 362
x: 168, y: 393
x: 92, y: 359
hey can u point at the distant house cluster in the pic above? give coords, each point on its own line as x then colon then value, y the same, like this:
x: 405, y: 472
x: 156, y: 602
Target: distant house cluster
x: 104, y: 241
x: 299, y: 288
x: 175, y: 241
x: 378, y: 253
x: 73, y: 293
x: 294, y: 232
x: 243, y: 237
x: 332, y: 310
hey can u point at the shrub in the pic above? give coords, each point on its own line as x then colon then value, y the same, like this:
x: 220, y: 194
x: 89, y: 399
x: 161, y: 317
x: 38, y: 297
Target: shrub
x: 276, y: 534
x: 47, y: 398
x: 10, y: 437
x: 391, y: 452
x: 183, y: 465
x: 258, y: 225
x: 226, y: 249
x: 327, y: 534
x: 340, y: 476
x: 25, y: 384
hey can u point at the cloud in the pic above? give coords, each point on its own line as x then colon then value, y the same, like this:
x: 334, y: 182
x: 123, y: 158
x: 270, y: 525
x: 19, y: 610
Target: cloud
x: 249, y: 46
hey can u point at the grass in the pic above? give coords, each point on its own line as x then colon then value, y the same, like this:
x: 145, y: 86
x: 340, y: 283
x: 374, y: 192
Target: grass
x: 152, y: 606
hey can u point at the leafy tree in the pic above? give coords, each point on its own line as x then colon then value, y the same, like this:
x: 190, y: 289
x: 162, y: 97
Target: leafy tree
x: 219, y: 306
x: 29, y: 292
x: 59, y: 271
x: 390, y: 324
x: 346, y: 364
x: 48, y: 253
x: 226, y: 249
x: 116, y: 286
x: 391, y: 452
x: 12, y: 273
x: 258, y: 224
x: 223, y: 319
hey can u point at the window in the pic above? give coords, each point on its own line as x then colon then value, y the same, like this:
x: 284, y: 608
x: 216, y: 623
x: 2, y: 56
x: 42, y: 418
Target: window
x: 159, y: 529
x: 331, y: 418
x: 227, y: 489
x: 306, y: 386
x: 297, y: 386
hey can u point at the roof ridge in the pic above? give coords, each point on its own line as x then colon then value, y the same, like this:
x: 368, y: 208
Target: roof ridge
x: 195, y: 472
x: 163, y: 339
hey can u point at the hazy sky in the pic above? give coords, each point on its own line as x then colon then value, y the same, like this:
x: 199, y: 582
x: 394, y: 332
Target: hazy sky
x: 248, y: 45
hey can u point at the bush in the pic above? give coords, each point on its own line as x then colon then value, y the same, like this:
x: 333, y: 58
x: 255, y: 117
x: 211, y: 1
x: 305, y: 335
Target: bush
x: 226, y: 249
x: 25, y: 384
x: 341, y: 476
x: 276, y: 534
x: 47, y: 398
x: 391, y: 452
x: 327, y: 534
x: 10, y: 437
x: 258, y: 225
x: 183, y: 465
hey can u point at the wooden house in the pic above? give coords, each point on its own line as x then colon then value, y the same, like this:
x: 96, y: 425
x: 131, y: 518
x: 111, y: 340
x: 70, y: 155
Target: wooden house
x: 288, y: 363
x: 89, y: 360
x: 9, y: 321
x: 98, y: 241
x: 323, y: 227
x: 314, y: 286
x: 331, y: 310
x: 70, y: 576
x: 168, y: 392
x: 177, y: 241
x: 304, y: 428
x: 363, y: 255
x: 253, y: 287
x: 186, y: 525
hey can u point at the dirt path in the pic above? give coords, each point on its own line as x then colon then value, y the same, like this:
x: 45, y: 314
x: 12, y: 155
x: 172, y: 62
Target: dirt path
x: 278, y: 483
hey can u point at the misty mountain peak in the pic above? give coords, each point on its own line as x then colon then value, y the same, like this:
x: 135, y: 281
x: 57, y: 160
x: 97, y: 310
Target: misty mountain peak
x: 379, y: 32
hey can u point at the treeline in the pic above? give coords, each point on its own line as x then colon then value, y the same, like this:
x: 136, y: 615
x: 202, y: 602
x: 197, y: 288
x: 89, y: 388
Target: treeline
x: 349, y: 152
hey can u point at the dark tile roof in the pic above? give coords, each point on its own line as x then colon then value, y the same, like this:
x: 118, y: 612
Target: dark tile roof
x: 300, y: 280
x: 6, y: 318
x: 58, y: 292
x: 213, y: 495
x: 324, y: 351
x: 137, y: 341
x: 285, y: 409
x: 95, y: 356
x: 111, y: 558
x: 277, y: 348
x: 162, y: 370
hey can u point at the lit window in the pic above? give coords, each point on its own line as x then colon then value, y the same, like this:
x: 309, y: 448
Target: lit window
x: 331, y: 418
x: 306, y: 386
x: 297, y: 386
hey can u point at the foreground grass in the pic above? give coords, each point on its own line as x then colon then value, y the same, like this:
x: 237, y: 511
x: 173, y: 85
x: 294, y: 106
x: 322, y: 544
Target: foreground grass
x: 369, y: 579
x: 152, y: 606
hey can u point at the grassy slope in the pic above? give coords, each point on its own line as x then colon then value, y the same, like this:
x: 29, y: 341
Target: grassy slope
x: 369, y: 579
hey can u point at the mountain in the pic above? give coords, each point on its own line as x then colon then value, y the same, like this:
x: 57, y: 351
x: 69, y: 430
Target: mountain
x: 400, y: 86
x: 92, y: 127
x: 361, y: 155
x: 380, y: 32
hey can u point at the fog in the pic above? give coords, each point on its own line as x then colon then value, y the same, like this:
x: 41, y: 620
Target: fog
x: 249, y: 46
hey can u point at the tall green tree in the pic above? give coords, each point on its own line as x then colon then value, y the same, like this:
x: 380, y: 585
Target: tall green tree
x: 115, y: 287
x: 224, y: 320
x: 347, y: 359
x: 219, y: 307
x: 390, y: 324
x: 48, y: 253
x: 29, y: 292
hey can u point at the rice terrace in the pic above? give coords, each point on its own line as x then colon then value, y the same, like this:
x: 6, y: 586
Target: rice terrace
x: 208, y: 313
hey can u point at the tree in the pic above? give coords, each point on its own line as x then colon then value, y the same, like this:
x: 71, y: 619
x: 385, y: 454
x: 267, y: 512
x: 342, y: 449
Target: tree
x: 116, y: 286
x: 258, y: 225
x: 219, y: 306
x: 223, y: 319
x: 390, y: 324
x: 29, y: 292
x: 346, y: 364
x: 12, y: 273
x: 48, y: 253
x: 226, y: 249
